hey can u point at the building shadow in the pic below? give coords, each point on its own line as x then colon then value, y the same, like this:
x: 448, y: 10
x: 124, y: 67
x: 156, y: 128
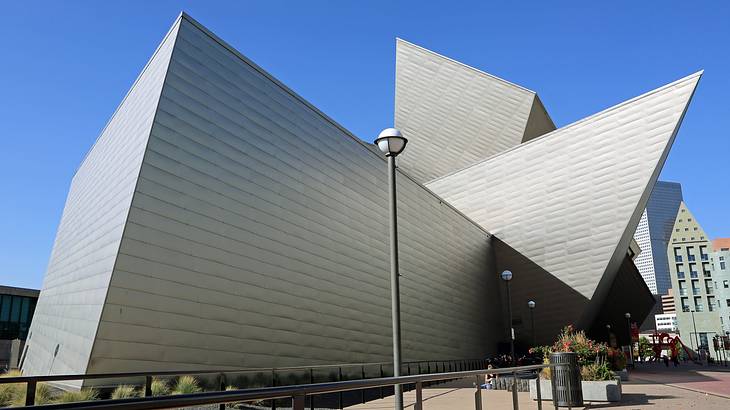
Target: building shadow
x: 558, y: 304
x: 629, y: 400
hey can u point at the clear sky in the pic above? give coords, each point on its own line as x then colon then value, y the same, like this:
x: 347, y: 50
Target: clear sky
x: 65, y: 66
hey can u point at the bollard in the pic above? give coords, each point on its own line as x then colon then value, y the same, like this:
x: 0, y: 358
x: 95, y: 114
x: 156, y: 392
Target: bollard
x: 478, y: 395
x: 222, y: 385
x: 298, y: 402
x: 148, y: 386
x: 515, y: 403
x: 30, y: 393
x: 419, y: 397
x: 539, y: 393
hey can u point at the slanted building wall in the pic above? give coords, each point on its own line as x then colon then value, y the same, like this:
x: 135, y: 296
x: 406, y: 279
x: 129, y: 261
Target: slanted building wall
x: 87, y: 242
x: 257, y: 236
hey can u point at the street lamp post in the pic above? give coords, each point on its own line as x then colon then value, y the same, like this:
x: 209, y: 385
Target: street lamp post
x: 531, y: 305
x: 697, y: 337
x: 507, y: 277
x: 391, y: 143
x: 627, y: 315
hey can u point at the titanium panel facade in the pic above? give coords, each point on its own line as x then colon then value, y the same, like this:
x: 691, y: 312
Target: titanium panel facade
x: 87, y: 242
x: 438, y: 100
x: 249, y: 245
x: 573, y: 212
x: 244, y: 228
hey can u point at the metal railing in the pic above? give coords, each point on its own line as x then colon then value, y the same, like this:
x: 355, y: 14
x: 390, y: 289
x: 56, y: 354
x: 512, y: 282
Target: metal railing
x: 379, y: 368
x: 298, y: 393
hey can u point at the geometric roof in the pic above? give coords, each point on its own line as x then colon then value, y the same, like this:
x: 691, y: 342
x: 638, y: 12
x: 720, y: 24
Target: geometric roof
x: 207, y: 228
x: 686, y: 228
x: 438, y: 99
x: 573, y: 211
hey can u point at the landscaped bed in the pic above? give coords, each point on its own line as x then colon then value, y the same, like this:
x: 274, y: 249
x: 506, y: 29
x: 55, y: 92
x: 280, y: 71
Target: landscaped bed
x: 598, y: 364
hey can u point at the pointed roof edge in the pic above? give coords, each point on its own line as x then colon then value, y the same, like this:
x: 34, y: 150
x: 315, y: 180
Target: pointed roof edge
x: 602, y: 288
x: 172, y: 28
x: 478, y: 71
x: 697, y: 75
x: 537, y: 104
x: 368, y: 147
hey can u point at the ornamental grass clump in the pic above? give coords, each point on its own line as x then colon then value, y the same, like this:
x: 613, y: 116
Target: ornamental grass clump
x: 598, y: 371
x: 186, y: 385
x: 124, y: 391
x: 77, y: 396
x: 160, y: 387
x: 14, y: 394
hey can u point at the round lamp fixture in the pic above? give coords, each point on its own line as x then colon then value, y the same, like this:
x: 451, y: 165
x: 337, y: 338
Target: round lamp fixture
x: 627, y: 315
x: 506, y: 276
x: 391, y: 142
x: 531, y: 304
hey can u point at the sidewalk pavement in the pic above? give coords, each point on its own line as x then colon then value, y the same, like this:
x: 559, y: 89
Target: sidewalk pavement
x: 637, y: 395
x: 707, y: 379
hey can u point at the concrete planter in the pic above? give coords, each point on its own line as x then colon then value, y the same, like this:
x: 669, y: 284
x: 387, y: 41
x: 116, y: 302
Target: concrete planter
x: 592, y: 391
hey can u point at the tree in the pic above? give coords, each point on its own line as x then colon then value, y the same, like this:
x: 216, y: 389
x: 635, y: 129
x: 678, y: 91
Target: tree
x: 645, y: 349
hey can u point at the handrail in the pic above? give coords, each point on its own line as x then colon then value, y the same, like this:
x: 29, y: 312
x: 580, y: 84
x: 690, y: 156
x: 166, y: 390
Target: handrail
x: 61, y: 377
x: 296, y: 392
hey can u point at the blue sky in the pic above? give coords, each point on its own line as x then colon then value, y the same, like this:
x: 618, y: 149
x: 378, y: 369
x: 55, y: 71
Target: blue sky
x: 66, y: 66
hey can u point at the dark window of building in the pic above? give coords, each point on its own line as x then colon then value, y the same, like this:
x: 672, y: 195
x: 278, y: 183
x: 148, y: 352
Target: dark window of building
x: 16, y: 313
x: 703, y: 253
x: 703, y: 341
x: 677, y: 254
x: 722, y: 265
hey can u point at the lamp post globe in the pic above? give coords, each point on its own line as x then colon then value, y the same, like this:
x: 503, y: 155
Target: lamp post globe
x: 391, y: 142
x: 627, y: 315
x: 506, y: 276
x: 531, y: 304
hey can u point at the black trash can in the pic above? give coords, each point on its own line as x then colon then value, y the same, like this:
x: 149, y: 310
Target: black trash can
x: 566, y: 380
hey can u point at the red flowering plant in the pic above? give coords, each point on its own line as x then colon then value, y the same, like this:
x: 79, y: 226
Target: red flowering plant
x: 576, y: 341
x: 592, y: 355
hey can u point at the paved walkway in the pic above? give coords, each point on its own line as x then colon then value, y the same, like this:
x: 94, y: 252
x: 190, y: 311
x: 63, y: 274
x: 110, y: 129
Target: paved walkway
x: 652, y: 387
x: 707, y: 379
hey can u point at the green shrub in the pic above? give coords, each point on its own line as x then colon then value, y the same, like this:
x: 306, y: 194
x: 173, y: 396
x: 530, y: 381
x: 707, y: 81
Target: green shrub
x: 77, y: 396
x: 124, y: 391
x: 598, y: 371
x: 186, y: 385
x: 160, y: 387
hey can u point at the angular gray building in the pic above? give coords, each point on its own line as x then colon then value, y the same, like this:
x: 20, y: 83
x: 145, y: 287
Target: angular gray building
x: 221, y: 221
